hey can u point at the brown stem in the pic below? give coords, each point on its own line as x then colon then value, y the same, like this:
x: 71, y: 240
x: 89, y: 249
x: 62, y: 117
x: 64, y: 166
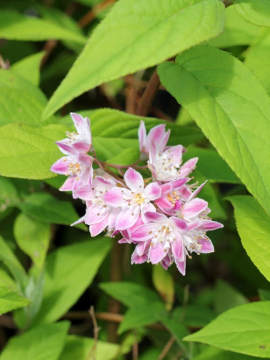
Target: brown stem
x: 131, y: 94
x: 148, y: 96
x: 135, y: 351
x: 166, y: 348
x: 92, y: 353
x: 91, y: 15
x: 116, y: 275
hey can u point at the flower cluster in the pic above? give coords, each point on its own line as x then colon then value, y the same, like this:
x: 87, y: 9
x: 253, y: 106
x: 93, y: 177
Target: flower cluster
x: 161, y: 215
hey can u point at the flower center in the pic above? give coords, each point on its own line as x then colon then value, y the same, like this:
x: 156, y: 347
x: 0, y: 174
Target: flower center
x: 164, y: 235
x: 71, y: 135
x: 139, y: 199
x: 74, y: 168
x: 167, y: 170
x: 173, y: 197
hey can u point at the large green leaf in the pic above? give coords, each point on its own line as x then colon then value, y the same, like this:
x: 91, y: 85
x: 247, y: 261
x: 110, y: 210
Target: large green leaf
x: 69, y: 270
x: 244, y: 329
x: 8, y: 195
x: 232, y: 109
x: 32, y: 237
x: 212, y: 353
x: 237, y: 30
x: 16, y: 26
x: 78, y: 347
x: 11, y: 300
x: 28, y: 152
x: 257, y: 59
x: 20, y: 101
x: 43, y: 207
x: 257, y: 12
x: 42, y: 342
x: 212, y: 166
x: 28, y: 67
x: 134, y: 36
x: 253, y: 226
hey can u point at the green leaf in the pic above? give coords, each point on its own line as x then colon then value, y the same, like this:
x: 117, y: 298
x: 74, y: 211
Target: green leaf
x: 123, y: 32
x: 16, y: 26
x: 227, y: 297
x: 76, y: 264
x: 139, y: 316
x: 28, y: 152
x: 28, y: 67
x: 237, y: 30
x: 257, y: 59
x: 43, y: 207
x: 12, y: 263
x: 33, y: 238
x: 264, y: 294
x: 78, y: 347
x: 8, y: 194
x: 232, y: 109
x: 20, y: 101
x: 174, y: 323
x: 164, y: 284
x: 11, y: 300
x: 42, y: 342
x: 254, y: 11
x: 253, y: 226
x: 217, y: 354
x: 130, y: 294
x: 244, y: 329
x: 212, y: 166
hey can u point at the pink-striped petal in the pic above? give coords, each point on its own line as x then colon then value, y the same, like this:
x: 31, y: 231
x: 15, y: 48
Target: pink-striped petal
x: 95, y: 214
x: 206, y: 246
x: 143, y: 232
x: 194, y: 207
x: 166, y: 262
x: 156, y: 253
x: 134, y: 180
x: 154, y: 217
x: 152, y: 191
x: 142, y: 137
x: 126, y: 218
x: 68, y: 184
x: 136, y: 259
x: 61, y: 166
x: 64, y: 147
x: 178, y: 249
x: 198, y: 190
x: 98, y: 228
x: 210, y: 225
x: 188, y: 166
x: 181, y: 224
x: 114, y: 197
x: 181, y: 266
x: 175, y: 154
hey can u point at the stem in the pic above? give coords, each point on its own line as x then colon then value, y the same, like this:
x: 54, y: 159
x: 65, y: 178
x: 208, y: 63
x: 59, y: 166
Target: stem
x: 91, y: 15
x: 92, y: 353
x: 166, y: 348
x: 148, y: 95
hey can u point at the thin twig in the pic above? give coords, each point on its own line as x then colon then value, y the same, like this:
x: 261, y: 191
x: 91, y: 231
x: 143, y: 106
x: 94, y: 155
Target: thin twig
x: 131, y: 94
x: 91, y: 15
x: 92, y: 353
x: 166, y: 348
x: 135, y: 351
x: 148, y: 95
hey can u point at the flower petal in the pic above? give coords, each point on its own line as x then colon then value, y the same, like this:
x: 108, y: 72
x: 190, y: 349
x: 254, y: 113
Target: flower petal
x: 157, y: 253
x: 181, y: 266
x: 95, y: 214
x: 210, y: 225
x: 207, y: 245
x: 181, y: 224
x: 127, y: 218
x: 194, y: 207
x: 98, y: 228
x: 61, y: 166
x: 114, y: 197
x: 152, y: 191
x: 136, y: 259
x: 154, y: 217
x: 178, y: 249
x: 188, y: 166
x: 142, y: 137
x: 134, y: 180
x: 64, y: 147
x: 68, y: 184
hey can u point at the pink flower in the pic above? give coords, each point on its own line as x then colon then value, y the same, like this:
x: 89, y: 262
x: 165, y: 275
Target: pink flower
x: 79, y: 142
x: 134, y: 201
x: 156, y: 134
x: 170, y: 239
x: 78, y: 168
x: 99, y: 215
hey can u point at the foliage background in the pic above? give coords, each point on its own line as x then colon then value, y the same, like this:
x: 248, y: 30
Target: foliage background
x: 201, y: 67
